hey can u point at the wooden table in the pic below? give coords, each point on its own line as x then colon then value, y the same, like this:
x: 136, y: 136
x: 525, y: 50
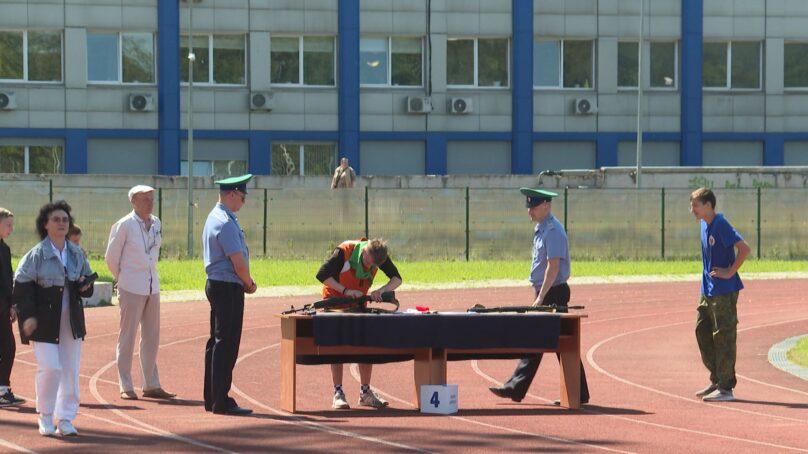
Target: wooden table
x: 297, y: 338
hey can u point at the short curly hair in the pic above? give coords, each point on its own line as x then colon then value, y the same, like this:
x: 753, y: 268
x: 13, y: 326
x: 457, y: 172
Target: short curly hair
x: 45, y: 212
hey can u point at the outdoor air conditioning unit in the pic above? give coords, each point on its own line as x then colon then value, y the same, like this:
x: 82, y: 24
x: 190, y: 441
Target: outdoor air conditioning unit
x: 461, y: 105
x: 261, y: 100
x: 141, y: 102
x: 585, y: 106
x: 419, y: 104
x: 8, y: 100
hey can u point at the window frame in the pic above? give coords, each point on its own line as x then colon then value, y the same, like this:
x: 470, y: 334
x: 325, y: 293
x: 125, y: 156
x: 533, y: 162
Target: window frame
x: 120, y: 80
x: 25, y: 69
x: 592, y: 69
x: 728, y: 82
x: 647, y: 68
x: 799, y: 88
x: 389, y: 81
x: 211, y: 74
x: 301, y: 65
x: 301, y: 155
x: 210, y: 163
x: 476, y: 84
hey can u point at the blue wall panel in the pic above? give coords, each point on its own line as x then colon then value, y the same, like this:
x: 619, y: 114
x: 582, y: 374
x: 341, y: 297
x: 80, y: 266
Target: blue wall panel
x: 348, y: 81
x: 691, y: 97
x: 522, y: 94
x: 168, y: 89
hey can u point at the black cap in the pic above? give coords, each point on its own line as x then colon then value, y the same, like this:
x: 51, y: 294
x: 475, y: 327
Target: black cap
x: 536, y: 197
x: 234, y: 183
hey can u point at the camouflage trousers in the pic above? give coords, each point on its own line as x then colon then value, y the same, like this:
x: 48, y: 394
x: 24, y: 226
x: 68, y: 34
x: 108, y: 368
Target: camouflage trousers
x: 716, y: 333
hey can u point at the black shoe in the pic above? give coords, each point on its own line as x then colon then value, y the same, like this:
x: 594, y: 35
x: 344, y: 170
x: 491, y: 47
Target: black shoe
x: 234, y: 410
x: 558, y: 402
x: 506, y: 393
x: 8, y: 399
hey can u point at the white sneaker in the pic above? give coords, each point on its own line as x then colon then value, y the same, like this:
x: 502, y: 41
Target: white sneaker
x: 339, y: 402
x: 370, y: 399
x: 719, y: 395
x: 46, y: 426
x: 66, y: 429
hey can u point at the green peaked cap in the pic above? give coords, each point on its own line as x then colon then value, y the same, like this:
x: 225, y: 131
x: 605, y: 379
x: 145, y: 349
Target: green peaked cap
x: 535, y: 197
x: 234, y: 183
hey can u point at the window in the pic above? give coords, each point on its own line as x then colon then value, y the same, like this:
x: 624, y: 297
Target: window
x: 120, y: 58
x: 31, y: 56
x: 303, y: 159
x: 563, y: 64
x: 316, y: 53
x: 795, y: 65
x: 662, y: 64
x: 732, y: 65
x: 216, y: 168
x: 220, y: 59
x: 404, y: 55
x: 31, y: 159
x: 477, y: 62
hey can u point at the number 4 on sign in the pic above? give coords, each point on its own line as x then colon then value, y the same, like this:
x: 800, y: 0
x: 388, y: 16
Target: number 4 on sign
x: 434, y: 400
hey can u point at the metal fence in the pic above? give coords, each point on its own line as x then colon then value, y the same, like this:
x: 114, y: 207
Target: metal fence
x: 437, y: 224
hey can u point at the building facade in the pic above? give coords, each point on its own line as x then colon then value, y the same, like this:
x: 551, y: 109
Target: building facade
x: 400, y: 87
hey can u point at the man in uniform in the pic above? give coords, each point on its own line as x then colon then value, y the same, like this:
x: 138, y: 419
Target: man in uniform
x: 227, y: 264
x: 549, y: 273
x: 349, y: 272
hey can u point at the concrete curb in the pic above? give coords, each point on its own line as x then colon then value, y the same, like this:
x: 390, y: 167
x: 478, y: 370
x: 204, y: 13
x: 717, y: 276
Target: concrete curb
x: 779, y: 359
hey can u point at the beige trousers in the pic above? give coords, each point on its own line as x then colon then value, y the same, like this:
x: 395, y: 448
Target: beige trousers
x: 142, y: 310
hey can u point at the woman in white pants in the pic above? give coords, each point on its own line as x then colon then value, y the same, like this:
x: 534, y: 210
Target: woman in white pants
x: 48, y: 285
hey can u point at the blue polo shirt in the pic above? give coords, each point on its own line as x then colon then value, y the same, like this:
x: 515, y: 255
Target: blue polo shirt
x: 718, y: 240
x: 221, y: 237
x: 549, y: 241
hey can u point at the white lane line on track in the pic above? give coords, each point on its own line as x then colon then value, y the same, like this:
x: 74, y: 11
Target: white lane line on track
x: 148, y: 427
x: 355, y: 375
x: 594, y: 364
x: 298, y: 420
x: 14, y: 446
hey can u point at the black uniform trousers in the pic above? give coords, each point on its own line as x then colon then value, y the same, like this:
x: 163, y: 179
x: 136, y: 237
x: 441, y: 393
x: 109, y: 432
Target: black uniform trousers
x: 226, y: 319
x: 519, y: 383
x: 8, y: 348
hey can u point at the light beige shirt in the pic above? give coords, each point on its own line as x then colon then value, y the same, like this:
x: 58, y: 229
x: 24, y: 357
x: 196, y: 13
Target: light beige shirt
x: 132, y: 254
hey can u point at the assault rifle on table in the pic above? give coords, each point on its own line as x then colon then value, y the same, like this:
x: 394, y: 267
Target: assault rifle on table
x: 346, y: 302
x: 480, y: 309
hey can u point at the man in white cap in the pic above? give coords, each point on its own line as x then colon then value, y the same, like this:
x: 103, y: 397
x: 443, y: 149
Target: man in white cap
x: 132, y: 253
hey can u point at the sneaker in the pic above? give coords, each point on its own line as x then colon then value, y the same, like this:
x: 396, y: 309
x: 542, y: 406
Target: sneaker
x: 46, y: 426
x: 66, y: 429
x: 8, y: 399
x: 339, y: 402
x: 370, y: 399
x: 707, y: 390
x: 159, y: 393
x: 719, y: 395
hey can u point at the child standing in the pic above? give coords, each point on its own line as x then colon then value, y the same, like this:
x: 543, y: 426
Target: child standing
x: 717, y: 319
x: 8, y: 347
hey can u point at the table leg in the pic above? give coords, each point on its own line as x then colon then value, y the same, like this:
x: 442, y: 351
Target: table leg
x: 288, y: 364
x: 571, y: 371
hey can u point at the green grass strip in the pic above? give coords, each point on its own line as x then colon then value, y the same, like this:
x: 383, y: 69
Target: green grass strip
x: 799, y: 353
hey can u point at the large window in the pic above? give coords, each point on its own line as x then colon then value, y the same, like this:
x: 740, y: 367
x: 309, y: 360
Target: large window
x: 662, y: 65
x: 120, y: 58
x: 31, y: 56
x: 216, y: 168
x: 732, y: 65
x: 219, y: 59
x: 303, y: 159
x: 390, y: 61
x: 795, y: 65
x: 316, y: 54
x: 477, y: 62
x: 31, y: 159
x: 563, y: 64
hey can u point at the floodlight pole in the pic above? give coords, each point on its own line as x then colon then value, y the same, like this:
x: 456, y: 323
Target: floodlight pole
x: 190, y: 156
x: 639, y: 95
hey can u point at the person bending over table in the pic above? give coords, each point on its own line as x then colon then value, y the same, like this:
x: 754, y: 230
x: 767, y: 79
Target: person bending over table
x: 349, y: 271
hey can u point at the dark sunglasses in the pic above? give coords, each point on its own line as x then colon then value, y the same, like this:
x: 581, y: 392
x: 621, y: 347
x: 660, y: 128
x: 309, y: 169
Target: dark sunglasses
x: 60, y: 219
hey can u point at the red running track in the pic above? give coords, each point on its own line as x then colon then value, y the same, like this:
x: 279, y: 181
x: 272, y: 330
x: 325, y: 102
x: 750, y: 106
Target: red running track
x: 641, y: 359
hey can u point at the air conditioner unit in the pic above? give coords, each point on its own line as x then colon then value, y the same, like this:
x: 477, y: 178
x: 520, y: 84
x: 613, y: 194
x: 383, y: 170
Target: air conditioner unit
x: 261, y: 100
x: 419, y: 104
x: 141, y: 102
x: 585, y: 106
x: 461, y: 105
x: 8, y: 100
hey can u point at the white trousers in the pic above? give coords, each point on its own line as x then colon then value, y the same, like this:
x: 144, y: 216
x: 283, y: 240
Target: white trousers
x: 57, y: 374
x: 143, y: 311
